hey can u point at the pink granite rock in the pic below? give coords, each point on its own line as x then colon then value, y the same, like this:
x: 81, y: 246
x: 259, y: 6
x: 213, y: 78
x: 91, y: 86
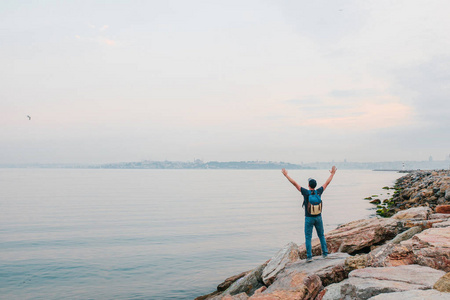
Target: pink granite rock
x: 431, y: 248
x: 356, y: 235
x: 417, y: 213
x: 287, y: 254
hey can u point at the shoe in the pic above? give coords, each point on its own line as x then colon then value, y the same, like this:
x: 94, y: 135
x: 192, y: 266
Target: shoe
x: 325, y: 256
x: 308, y: 260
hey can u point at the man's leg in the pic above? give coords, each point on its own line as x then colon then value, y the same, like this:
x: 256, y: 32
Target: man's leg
x: 309, y: 224
x: 319, y: 228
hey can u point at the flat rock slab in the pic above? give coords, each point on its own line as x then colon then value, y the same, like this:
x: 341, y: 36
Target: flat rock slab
x: 429, y: 248
x: 356, y: 235
x: 369, y: 282
x: 417, y: 213
x: 439, y: 216
x: 442, y: 224
x: 433, y: 237
x: 298, y: 286
x: 330, y: 269
x: 410, y: 274
x: 302, y: 280
x: 413, y: 295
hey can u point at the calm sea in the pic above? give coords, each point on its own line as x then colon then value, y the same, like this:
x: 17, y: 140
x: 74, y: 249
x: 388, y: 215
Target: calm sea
x: 156, y: 234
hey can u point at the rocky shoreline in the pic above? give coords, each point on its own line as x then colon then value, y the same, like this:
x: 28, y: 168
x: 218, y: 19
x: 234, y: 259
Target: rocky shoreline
x: 402, y: 253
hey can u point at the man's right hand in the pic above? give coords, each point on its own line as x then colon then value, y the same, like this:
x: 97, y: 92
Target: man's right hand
x: 333, y: 170
x: 284, y: 171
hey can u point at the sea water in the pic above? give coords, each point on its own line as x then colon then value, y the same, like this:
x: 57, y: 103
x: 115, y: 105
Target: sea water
x: 156, y: 234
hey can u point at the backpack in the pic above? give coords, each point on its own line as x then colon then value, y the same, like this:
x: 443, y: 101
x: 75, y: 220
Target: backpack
x: 314, y: 205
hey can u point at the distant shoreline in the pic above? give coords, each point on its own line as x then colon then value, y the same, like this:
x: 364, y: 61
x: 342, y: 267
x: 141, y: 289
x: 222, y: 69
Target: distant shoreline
x: 395, y: 166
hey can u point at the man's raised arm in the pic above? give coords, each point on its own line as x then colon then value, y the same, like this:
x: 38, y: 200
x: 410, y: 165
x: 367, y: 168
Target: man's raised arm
x: 285, y: 173
x: 333, y: 171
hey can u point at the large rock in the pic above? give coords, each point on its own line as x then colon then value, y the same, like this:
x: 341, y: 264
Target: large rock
x: 443, y: 284
x: 299, y: 286
x: 329, y: 270
x: 247, y: 284
x: 391, y: 255
x: 369, y: 282
x: 302, y: 280
x: 424, y: 224
x: 230, y: 280
x: 406, y: 235
x: 286, y: 255
x: 356, y: 262
x: 443, y: 209
x: 413, y: 295
x: 431, y: 248
x: 439, y: 216
x: 442, y: 224
x: 356, y: 236
x: 417, y: 213
x: 241, y: 296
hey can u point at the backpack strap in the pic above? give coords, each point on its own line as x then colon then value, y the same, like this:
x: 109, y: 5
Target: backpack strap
x: 304, y: 200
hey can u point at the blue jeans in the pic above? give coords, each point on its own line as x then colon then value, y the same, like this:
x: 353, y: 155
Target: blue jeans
x: 311, y: 222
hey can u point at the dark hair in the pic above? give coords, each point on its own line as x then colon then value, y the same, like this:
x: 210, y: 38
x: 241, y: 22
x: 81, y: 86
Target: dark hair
x: 312, y: 183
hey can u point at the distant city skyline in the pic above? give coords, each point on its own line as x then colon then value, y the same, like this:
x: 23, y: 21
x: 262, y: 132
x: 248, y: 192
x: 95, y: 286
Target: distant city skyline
x: 298, y: 81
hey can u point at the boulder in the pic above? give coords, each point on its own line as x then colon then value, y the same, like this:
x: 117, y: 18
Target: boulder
x: 443, y: 284
x: 413, y: 295
x: 431, y: 248
x: 287, y: 254
x: 424, y: 224
x: 447, y: 194
x: 443, y: 209
x: 356, y: 236
x: 331, y: 292
x: 391, y: 255
x: 369, y: 282
x: 329, y: 270
x: 304, y: 280
x: 355, y: 262
x: 406, y: 235
x: 298, y: 286
x: 241, y: 296
x: 247, y: 284
x: 439, y: 216
x: 442, y: 224
x: 417, y: 213
x: 229, y: 281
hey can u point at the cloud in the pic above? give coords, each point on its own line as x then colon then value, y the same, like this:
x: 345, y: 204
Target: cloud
x: 108, y: 42
x: 353, y: 93
x: 354, y: 114
x: 104, y: 27
x: 426, y: 85
x: 366, y: 116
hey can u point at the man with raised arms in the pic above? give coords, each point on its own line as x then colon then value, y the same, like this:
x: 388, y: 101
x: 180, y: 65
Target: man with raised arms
x: 313, y: 211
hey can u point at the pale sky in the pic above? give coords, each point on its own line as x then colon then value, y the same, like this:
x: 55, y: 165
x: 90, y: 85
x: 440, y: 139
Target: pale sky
x: 295, y: 81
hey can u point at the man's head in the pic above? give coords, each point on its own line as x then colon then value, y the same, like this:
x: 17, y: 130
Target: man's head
x: 312, y: 183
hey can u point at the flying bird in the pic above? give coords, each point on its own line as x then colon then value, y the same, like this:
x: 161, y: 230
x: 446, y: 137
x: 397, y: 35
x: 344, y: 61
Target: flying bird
x: 29, y: 118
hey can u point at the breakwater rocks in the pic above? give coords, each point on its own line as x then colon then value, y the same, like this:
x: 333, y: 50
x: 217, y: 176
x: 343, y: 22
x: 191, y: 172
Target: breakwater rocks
x: 404, y: 256
x: 420, y: 188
